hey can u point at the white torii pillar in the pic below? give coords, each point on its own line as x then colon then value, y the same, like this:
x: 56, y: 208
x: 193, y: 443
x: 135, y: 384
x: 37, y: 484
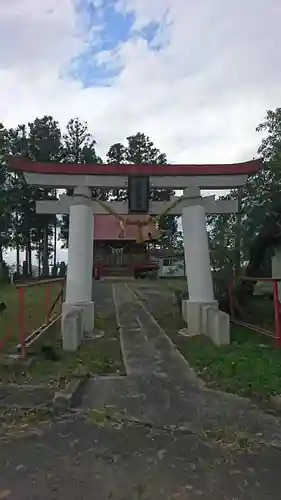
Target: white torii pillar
x: 79, y: 271
x: 197, y: 264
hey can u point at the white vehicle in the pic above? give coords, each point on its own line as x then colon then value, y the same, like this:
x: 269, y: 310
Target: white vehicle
x: 171, y: 267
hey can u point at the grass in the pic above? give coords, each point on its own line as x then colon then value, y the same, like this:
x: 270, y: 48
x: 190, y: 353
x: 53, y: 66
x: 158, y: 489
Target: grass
x: 231, y: 438
x: 99, y: 356
x: 174, y: 284
x: 259, y: 311
x: 36, y: 303
x: 250, y: 366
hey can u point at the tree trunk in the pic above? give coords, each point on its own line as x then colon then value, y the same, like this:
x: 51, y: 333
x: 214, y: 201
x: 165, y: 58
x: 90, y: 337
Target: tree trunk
x: 29, y: 255
x: 238, y: 235
x: 17, y: 243
x: 55, y: 243
x: 45, y: 253
x: 39, y: 257
x: 1, y: 261
x: 55, y: 236
x: 17, y: 258
x: 45, y: 263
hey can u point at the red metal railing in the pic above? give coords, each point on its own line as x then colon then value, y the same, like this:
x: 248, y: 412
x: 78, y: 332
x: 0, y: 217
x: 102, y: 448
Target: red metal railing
x: 275, y: 321
x: 48, y: 308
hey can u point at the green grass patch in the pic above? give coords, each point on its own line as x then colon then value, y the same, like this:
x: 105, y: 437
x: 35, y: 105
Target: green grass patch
x: 250, y: 366
x: 36, y: 304
x: 174, y: 284
x: 99, y: 356
x: 168, y: 284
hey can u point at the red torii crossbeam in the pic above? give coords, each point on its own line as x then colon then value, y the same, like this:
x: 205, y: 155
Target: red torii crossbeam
x: 26, y: 165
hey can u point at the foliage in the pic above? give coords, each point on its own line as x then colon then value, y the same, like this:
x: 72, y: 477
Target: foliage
x: 141, y: 150
x: 39, y: 140
x: 5, y: 211
x: 259, y: 197
x: 250, y: 366
x: 78, y: 146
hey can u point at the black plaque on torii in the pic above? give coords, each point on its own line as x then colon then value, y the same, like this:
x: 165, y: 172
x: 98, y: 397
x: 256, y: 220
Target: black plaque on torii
x: 138, y: 194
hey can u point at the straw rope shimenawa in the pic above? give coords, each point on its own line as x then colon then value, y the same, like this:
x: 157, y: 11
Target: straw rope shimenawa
x: 153, y: 231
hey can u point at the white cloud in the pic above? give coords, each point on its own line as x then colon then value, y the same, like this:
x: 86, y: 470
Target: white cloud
x: 199, y: 98
x: 37, y: 37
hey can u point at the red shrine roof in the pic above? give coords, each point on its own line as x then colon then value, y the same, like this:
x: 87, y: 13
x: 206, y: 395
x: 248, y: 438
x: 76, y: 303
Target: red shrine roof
x: 107, y: 227
x: 26, y: 165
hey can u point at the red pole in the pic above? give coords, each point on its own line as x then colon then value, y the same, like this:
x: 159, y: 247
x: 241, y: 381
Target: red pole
x: 276, y: 312
x: 22, y: 323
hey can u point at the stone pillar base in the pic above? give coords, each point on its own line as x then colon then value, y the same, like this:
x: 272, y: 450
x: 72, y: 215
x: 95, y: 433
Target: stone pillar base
x: 77, y: 320
x: 217, y: 326
x: 194, y: 315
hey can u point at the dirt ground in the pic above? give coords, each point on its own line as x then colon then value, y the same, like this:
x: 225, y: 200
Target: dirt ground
x: 156, y: 433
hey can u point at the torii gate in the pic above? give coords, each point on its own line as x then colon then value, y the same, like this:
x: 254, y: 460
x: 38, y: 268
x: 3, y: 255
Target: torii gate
x: 82, y: 177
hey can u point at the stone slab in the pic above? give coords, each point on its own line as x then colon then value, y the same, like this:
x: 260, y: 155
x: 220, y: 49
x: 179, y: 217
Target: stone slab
x: 64, y: 400
x: 87, y: 311
x: 193, y: 315
x: 25, y: 396
x: 217, y: 326
x: 81, y: 459
x: 71, y: 326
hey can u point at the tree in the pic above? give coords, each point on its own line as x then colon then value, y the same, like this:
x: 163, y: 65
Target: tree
x: 44, y: 144
x: 141, y: 150
x: 78, y: 146
x: 39, y: 141
x: 270, y: 148
x: 259, y: 197
x: 117, y: 154
x: 20, y: 195
x: 5, y: 212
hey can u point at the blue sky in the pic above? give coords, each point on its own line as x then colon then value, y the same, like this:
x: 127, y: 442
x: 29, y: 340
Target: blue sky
x: 114, y: 28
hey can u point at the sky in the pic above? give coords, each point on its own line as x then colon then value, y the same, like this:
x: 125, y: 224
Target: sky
x: 196, y: 76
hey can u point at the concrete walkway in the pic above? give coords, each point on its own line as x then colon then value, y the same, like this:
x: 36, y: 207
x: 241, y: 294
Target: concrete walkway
x: 162, y: 389
x: 167, y: 438
x: 77, y: 459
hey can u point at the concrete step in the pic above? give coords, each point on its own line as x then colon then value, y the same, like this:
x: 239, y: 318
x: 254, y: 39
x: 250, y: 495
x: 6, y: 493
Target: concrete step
x: 117, y: 271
